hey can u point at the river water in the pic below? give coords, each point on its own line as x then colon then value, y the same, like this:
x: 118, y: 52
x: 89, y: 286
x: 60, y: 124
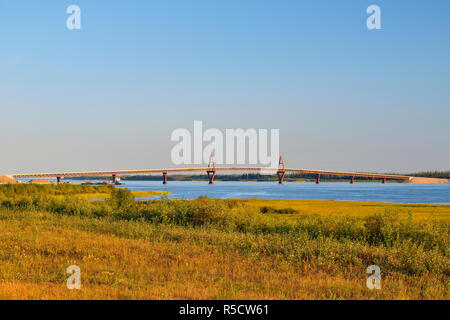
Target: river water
x: 390, y: 192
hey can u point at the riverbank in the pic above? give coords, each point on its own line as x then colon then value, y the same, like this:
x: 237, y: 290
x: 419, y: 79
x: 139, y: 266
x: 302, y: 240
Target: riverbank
x: 427, y: 180
x: 216, y: 249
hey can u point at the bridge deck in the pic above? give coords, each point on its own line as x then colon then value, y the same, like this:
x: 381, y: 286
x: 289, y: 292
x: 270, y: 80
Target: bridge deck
x: 203, y: 169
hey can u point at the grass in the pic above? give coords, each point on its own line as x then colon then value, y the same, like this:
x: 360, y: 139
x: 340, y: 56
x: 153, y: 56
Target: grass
x: 418, y: 212
x: 136, y: 194
x: 217, y: 249
x: 64, y: 190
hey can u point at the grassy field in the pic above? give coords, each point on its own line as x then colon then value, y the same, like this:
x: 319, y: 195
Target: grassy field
x: 102, y: 195
x: 216, y: 249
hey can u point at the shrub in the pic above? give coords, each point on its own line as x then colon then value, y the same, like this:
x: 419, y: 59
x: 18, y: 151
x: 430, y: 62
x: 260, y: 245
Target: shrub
x: 278, y: 211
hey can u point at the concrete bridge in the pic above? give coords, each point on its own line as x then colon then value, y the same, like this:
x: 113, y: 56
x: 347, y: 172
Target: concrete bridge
x: 212, y: 169
x: 211, y: 172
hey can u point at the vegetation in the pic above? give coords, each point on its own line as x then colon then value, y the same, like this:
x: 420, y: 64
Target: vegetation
x: 433, y: 174
x: 216, y: 249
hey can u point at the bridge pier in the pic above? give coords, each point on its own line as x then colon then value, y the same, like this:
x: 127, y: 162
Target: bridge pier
x: 384, y: 181
x: 114, y: 178
x: 211, y: 175
x: 58, y: 180
x: 352, y: 180
x: 281, y: 170
x: 281, y: 174
x: 318, y: 179
x: 164, y: 177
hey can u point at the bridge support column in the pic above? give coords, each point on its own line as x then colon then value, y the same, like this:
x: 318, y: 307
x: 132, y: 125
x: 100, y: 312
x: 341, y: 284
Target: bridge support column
x: 318, y: 179
x: 164, y: 177
x: 352, y: 180
x: 211, y: 175
x: 58, y: 180
x: 114, y: 178
x: 281, y: 174
x: 384, y: 180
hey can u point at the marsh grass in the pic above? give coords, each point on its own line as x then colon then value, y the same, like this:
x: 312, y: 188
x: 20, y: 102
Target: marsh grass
x: 216, y: 249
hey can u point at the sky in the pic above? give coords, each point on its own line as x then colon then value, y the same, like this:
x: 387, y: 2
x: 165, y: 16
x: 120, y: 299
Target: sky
x: 108, y: 96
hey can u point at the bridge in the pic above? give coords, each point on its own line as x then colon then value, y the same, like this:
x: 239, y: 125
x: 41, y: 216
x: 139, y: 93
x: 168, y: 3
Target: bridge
x: 211, y: 171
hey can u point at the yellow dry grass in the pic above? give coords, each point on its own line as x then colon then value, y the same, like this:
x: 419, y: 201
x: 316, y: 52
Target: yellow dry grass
x: 356, y: 209
x: 136, y: 194
x: 137, y: 260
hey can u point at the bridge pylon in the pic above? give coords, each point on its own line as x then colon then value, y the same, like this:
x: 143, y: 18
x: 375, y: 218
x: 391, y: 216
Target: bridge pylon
x: 281, y: 170
x: 211, y: 169
x: 164, y: 177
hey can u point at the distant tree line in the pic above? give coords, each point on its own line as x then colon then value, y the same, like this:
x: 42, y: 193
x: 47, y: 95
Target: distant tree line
x: 432, y: 174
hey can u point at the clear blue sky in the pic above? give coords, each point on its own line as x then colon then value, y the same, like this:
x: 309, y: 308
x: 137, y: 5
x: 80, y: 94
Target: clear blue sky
x: 109, y: 95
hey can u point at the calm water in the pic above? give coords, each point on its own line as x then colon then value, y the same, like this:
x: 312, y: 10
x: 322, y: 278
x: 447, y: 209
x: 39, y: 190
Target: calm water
x: 390, y: 192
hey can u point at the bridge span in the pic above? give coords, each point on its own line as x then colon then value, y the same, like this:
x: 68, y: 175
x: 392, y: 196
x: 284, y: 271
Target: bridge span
x: 212, y: 169
x: 211, y: 172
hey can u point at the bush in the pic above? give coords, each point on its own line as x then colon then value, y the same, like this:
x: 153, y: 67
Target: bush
x: 278, y: 211
x: 389, y: 229
x: 121, y: 198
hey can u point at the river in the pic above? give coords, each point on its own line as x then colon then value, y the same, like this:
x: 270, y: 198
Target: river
x: 390, y: 192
